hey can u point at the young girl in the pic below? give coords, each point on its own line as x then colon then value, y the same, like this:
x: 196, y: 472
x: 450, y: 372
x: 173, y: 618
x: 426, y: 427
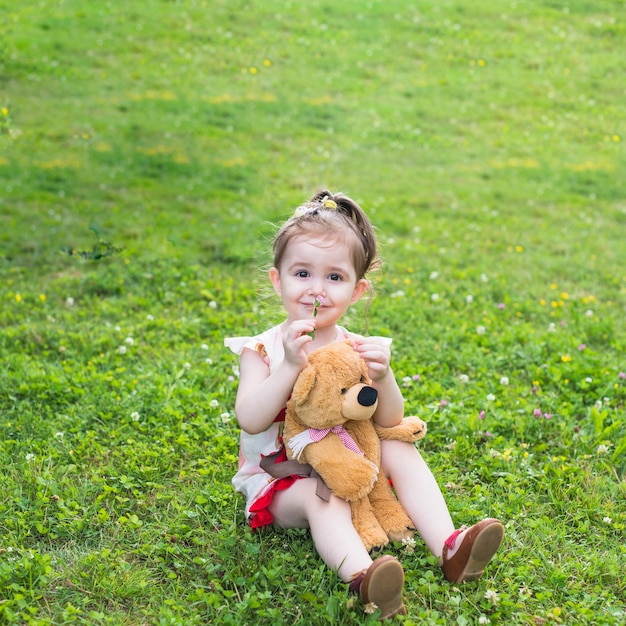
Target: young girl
x: 323, y: 254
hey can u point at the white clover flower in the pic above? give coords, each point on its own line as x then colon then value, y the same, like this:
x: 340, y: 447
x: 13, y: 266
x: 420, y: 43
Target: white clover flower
x: 464, y: 378
x: 469, y: 298
x: 588, y: 379
x: 214, y: 404
x: 552, y: 327
x: 209, y: 361
x: 225, y: 417
x: 129, y: 341
x: 134, y: 416
x: 59, y: 435
x: 484, y: 278
x: 434, y: 275
x: 434, y: 297
x: 409, y: 545
x: 187, y: 366
x: 121, y: 350
x: 607, y: 520
x: 483, y: 619
x: 30, y: 457
x: 397, y: 294
x: 490, y: 397
x: 504, y: 380
x: 213, y: 304
x: 589, y: 313
x: 492, y: 596
x: 370, y: 608
x: 602, y: 449
x: 69, y: 301
x: 150, y: 317
x: 480, y: 330
x: 204, y: 346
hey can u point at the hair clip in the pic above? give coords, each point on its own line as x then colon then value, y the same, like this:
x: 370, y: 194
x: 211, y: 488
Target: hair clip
x: 329, y: 204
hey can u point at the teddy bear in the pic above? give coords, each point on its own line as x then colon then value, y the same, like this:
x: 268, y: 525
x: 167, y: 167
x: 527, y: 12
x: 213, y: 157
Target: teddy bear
x: 329, y: 426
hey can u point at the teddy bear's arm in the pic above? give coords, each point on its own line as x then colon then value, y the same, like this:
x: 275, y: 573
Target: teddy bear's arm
x: 411, y: 428
x: 347, y: 474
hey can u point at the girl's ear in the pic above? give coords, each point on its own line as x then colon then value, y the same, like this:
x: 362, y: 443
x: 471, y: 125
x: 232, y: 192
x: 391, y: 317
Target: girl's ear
x: 275, y: 278
x: 359, y: 289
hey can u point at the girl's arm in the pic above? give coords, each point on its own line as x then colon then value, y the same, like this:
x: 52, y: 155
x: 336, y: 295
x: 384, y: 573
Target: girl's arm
x: 377, y: 355
x: 263, y: 394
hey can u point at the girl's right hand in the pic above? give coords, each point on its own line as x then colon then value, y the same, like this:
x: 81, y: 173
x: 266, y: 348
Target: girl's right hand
x: 295, y: 338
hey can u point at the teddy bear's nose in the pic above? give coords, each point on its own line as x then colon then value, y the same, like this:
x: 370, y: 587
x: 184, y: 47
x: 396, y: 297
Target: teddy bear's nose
x: 367, y: 396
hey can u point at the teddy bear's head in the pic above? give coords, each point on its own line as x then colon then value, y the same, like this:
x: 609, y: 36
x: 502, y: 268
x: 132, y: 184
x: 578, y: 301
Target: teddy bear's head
x: 333, y: 388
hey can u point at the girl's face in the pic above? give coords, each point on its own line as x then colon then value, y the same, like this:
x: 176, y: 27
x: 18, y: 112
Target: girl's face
x: 318, y: 267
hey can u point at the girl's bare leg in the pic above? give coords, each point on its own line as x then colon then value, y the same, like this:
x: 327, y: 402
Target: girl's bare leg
x: 418, y: 492
x: 330, y: 523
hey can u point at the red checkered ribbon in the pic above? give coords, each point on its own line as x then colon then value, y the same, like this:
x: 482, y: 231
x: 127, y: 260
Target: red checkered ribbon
x: 317, y: 434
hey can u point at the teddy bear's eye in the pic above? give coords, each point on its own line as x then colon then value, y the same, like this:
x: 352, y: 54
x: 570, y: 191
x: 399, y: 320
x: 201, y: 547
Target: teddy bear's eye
x: 362, y: 379
x: 344, y: 391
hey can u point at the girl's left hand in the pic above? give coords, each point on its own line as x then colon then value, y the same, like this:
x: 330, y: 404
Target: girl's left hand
x: 377, y: 355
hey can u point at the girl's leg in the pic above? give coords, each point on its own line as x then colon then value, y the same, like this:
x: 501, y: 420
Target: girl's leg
x: 418, y: 492
x: 330, y: 523
x: 378, y: 582
x: 463, y: 553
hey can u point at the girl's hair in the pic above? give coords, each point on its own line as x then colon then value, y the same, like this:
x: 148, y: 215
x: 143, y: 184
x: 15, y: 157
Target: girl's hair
x: 336, y: 216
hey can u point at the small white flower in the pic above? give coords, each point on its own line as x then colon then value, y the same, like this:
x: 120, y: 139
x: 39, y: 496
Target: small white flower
x: 30, y: 457
x: 607, y: 401
x: 214, y: 404
x: 598, y: 404
x: 118, y: 328
x: 209, y: 361
x: 484, y: 278
x: 434, y: 297
x: 494, y: 454
x: 406, y: 381
x: 552, y: 327
x: 121, y: 350
x: 483, y: 619
x: 492, y: 596
x: 59, y: 435
x: 236, y: 370
x: 409, y: 545
x: 213, y: 304
x: 490, y: 397
x: 69, y: 301
x: 129, y: 341
x: 602, y: 449
x: 607, y: 520
x: 464, y: 378
x: 370, y: 608
x: 469, y: 298
x: 480, y: 330
x: 504, y: 380
x: 204, y: 346
x: 589, y: 313
x: 150, y: 317
x: 397, y: 294
x: 588, y: 379
x: 187, y: 366
x: 225, y: 417
x: 434, y: 275
x: 134, y: 416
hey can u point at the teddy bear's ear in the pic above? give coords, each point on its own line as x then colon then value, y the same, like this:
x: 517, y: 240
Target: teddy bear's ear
x: 303, y: 385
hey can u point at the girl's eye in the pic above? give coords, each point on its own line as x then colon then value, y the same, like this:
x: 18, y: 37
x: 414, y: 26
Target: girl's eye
x: 335, y: 277
x: 302, y: 273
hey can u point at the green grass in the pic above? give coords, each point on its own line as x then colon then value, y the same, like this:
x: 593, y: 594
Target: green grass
x: 486, y: 141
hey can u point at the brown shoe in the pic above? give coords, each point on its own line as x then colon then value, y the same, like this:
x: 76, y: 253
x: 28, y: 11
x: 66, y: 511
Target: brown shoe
x: 479, y: 544
x: 381, y: 587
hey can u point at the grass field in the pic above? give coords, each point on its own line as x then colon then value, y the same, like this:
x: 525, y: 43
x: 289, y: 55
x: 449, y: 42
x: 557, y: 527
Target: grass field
x: 147, y: 152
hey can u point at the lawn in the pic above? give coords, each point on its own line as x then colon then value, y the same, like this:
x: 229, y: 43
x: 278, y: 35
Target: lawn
x: 148, y: 150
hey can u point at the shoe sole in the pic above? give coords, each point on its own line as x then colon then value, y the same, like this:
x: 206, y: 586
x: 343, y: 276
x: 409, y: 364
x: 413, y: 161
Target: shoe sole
x: 382, y: 585
x: 485, y: 546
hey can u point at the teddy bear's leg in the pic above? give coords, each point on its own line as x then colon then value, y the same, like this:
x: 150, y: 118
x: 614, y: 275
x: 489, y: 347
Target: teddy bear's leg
x: 389, y: 512
x: 366, y: 524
